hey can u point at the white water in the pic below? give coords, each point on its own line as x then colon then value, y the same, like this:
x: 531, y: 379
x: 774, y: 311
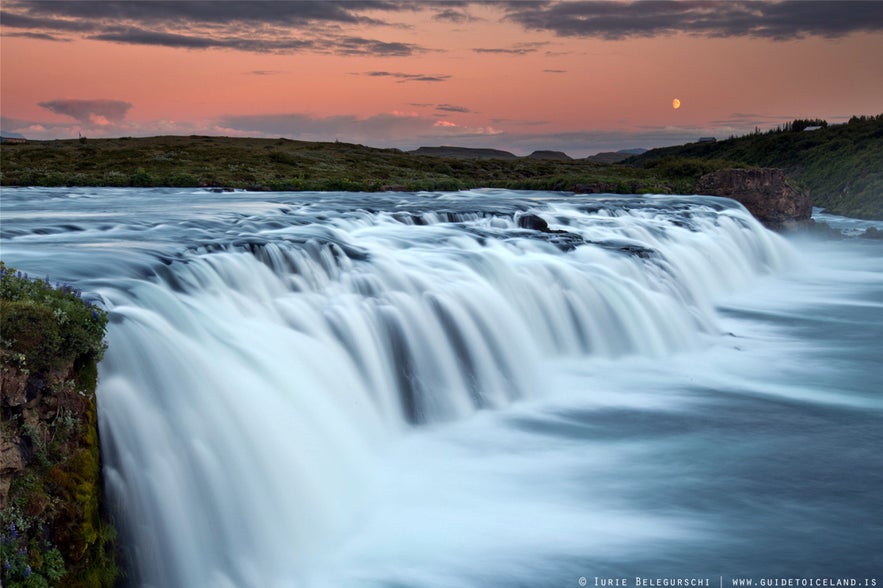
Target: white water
x: 411, y: 390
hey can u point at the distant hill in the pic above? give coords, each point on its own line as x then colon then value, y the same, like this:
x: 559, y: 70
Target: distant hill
x: 842, y: 165
x: 553, y: 155
x: 463, y: 153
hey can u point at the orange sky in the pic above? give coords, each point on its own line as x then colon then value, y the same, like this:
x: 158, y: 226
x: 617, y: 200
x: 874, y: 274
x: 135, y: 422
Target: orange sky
x: 480, y: 75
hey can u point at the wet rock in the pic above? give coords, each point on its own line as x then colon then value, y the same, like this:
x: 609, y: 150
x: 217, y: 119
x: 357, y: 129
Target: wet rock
x: 765, y: 192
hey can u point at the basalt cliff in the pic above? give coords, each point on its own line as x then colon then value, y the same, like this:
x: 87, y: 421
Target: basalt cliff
x: 765, y: 192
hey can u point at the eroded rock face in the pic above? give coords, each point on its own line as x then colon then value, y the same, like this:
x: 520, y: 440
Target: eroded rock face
x: 765, y: 192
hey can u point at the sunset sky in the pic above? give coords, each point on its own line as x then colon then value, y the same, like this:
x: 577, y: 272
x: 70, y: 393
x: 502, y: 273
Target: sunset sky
x: 581, y: 77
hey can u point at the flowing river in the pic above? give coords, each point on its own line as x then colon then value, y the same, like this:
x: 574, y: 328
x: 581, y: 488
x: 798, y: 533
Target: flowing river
x: 483, y: 388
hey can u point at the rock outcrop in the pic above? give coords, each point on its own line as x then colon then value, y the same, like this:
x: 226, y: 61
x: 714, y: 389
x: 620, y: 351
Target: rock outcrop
x: 55, y: 531
x: 765, y: 192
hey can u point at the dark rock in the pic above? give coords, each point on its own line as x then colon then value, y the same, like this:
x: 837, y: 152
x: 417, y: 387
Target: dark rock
x: 872, y: 233
x: 765, y: 192
x: 534, y: 223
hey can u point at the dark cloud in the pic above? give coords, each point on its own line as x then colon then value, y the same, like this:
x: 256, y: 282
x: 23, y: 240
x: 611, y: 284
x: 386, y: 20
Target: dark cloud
x: 556, y: 71
x: 300, y: 13
x: 256, y: 26
x: 40, y: 36
x: 95, y: 112
x: 735, y: 18
x: 406, y: 77
x: 359, y: 46
x: 517, y: 49
x: 452, y: 108
x: 451, y: 15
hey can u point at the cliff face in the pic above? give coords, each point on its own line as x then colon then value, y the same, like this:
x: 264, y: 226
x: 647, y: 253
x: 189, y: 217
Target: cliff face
x: 766, y: 193
x: 52, y: 531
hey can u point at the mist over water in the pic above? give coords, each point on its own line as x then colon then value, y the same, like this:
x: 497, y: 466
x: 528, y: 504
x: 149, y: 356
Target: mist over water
x: 401, y: 389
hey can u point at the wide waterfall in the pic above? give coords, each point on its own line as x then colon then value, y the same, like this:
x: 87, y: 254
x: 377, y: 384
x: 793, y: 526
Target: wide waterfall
x: 482, y: 388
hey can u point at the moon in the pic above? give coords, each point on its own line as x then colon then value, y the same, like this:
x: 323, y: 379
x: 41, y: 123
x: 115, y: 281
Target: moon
x: 675, y: 103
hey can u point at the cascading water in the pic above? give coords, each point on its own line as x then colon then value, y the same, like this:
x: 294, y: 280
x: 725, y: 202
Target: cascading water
x: 269, y: 358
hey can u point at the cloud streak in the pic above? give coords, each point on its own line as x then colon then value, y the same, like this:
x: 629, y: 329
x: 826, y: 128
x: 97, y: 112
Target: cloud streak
x: 257, y: 26
x: 736, y: 18
x: 406, y: 77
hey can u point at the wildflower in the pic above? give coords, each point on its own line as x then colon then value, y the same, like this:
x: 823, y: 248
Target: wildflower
x: 18, y: 274
x: 7, y: 565
x: 13, y: 532
x: 94, y: 314
x: 27, y: 571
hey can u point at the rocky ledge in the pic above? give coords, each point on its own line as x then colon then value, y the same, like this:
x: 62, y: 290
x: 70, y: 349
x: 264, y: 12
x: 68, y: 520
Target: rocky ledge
x: 765, y: 192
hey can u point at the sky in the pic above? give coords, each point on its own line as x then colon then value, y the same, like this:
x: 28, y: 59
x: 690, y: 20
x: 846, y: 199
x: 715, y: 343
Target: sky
x: 577, y: 76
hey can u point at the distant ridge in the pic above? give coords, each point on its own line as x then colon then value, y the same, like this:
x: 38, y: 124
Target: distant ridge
x: 608, y: 157
x: 464, y: 153
x: 553, y: 155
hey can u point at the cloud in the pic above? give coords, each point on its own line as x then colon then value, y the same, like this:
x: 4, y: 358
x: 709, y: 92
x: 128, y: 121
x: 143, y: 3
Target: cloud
x: 451, y: 108
x: 555, y: 71
x: 451, y: 15
x: 258, y: 26
x: 96, y: 112
x: 516, y: 49
x: 381, y: 130
x: 735, y: 18
x: 406, y: 77
x: 40, y: 36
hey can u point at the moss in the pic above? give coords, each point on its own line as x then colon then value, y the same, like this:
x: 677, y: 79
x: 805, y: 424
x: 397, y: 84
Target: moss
x: 52, y: 528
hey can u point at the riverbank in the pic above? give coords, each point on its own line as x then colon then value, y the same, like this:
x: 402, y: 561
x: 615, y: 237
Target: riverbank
x: 54, y: 530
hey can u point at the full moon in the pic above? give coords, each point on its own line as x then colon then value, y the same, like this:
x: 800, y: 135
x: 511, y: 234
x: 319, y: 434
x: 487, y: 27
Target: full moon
x: 675, y: 103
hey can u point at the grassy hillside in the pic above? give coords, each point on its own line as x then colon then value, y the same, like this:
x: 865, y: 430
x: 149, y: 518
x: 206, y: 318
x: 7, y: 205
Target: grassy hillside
x: 842, y: 165
x: 281, y: 164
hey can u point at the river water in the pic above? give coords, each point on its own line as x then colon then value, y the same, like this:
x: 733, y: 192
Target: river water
x: 435, y: 390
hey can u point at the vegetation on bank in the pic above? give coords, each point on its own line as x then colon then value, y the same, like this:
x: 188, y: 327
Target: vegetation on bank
x: 282, y: 164
x: 842, y: 165
x: 52, y: 530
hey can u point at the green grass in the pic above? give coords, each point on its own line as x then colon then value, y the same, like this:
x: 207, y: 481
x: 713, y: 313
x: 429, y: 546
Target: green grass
x: 281, y: 164
x: 841, y: 165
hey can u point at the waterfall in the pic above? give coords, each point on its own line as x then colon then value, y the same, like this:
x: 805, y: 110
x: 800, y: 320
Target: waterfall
x: 265, y: 352
x: 249, y: 380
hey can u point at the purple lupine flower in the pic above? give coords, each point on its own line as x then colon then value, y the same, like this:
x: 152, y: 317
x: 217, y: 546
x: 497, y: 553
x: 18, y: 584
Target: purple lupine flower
x: 27, y: 571
x: 13, y: 531
x: 18, y: 274
x: 7, y: 565
x: 94, y: 314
